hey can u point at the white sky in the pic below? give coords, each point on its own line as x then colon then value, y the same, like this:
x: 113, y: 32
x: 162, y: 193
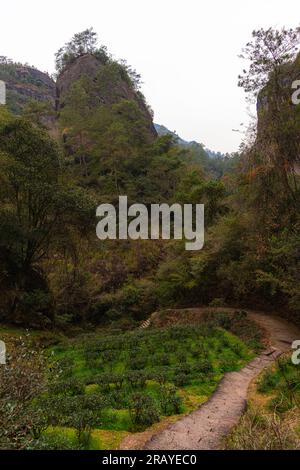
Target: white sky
x: 185, y: 50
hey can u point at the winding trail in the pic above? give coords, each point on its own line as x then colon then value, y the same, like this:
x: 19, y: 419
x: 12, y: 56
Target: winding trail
x: 206, y: 428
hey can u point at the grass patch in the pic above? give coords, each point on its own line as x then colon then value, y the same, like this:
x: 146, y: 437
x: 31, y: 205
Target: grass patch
x: 272, y: 421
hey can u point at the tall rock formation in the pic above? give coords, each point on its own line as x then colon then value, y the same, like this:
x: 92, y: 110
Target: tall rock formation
x: 24, y: 83
x: 110, y: 88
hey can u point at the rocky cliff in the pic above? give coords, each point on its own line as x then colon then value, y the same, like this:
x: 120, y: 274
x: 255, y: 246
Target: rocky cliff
x: 278, y: 124
x: 110, y: 83
x: 24, y: 83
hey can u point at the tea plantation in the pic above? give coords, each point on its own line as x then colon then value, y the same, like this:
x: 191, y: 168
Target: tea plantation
x: 103, y: 387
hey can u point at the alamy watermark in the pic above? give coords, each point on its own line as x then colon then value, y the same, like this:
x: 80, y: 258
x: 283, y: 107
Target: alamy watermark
x: 2, y: 92
x: 296, y: 353
x: 296, y: 94
x: 137, y: 222
x: 2, y: 353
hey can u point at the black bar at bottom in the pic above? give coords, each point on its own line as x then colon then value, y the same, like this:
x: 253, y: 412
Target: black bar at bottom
x: 135, y: 459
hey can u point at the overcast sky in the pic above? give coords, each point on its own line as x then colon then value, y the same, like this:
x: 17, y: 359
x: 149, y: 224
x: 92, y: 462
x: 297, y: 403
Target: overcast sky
x: 185, y: 50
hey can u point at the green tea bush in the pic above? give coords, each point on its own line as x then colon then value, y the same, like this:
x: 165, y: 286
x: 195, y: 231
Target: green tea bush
x: 171, y: 347
x: 67, y: 387
x: 183, y: 369
x: 137, y: 375
x: 159, y: 377
x: 160, y: 359
x: 82, y: 421
x: 65, y: 367
x: 137, y: 379
x: 181, y: 357
x: 55, y: 441
x: 170, y: 401
x: 143, y: 411
x: 181, y: 380
x: 204, y: 366
x: 92, y: 359
x: 137, y: 363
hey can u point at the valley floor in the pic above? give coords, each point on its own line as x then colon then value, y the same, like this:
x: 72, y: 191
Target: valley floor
x: 207, y: 427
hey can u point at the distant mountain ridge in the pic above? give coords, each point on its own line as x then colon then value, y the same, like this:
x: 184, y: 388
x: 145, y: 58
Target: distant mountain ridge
x: 163, y: 130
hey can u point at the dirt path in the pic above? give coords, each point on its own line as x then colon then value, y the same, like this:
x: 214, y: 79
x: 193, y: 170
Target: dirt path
x: 206, y: 427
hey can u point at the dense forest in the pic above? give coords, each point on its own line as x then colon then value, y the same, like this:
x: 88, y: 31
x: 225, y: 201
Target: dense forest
x: 94, y: 141
x: 54, y: 271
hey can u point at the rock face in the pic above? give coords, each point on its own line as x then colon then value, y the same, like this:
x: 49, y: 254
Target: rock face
x: 90, y: 66
x: 275, y: 110
x: 25, y: 83
x: 288, y: 74
x: 84, y: 65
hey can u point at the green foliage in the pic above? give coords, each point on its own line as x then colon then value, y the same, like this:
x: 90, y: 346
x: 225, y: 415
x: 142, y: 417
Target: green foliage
x: 54, y: 441
x: 82, y: 43
x: 144, y: 411
x: 67, y: 387
x: 268, y: 382
x: 82, y: 421
x: 134, y: 383
x: 37, y: 210
x: 21, y: 381
x: 170, y: 401
x: 27, y: 88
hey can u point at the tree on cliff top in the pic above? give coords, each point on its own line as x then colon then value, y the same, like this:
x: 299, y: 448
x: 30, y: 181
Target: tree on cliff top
x: 81, y: 43
x: 275, y: 156
x: 269, y: 51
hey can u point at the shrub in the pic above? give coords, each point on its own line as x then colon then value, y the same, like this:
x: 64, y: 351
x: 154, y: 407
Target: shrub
x: 183, y: 369
x: 217, y: 302
x: 268, y: 382
x: 224, y: 321
x: 227, y: 364
x: 68, y: 387
x: 159, y: 377
x: 94, y: 402
x: 137, y: 379
x: 21, y: 380
x: 58, y: 407
x: 237, y: 349
x: 137, y: 363
x: 107, y: 379
x: 181, y: 380
x: 160, y: 359
x: 118, y: 399
x: 170, y: 347
x: 109, y: 356
x: 65, y: 367
x: 170, y: 401
x: 54, y: 441
x: 181, y: 357
x: 92, y: 359
x: 143, y: 411
x: 39, y: 422
x: 82, y: 421
x: 204, y: 366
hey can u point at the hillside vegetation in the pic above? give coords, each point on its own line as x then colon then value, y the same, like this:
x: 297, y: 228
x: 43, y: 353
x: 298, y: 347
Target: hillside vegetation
x: 91, y: 391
